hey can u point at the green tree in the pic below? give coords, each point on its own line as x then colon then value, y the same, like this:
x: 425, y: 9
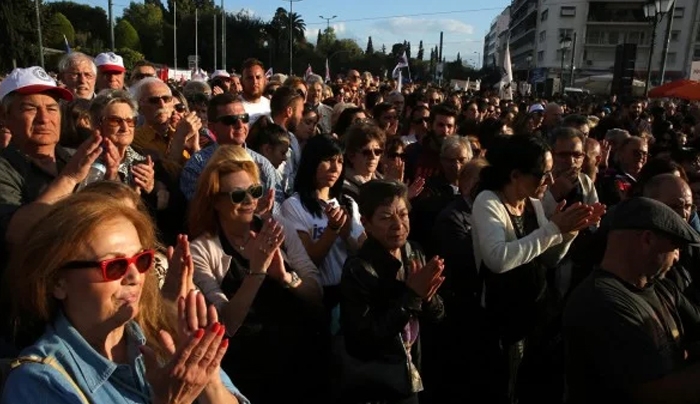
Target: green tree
x: 90, y: 23
x: 459, y: 58
x: 18, y: 32
x: 56, y: 27
x: 125, y: 36
x: 319, y: 38
x: 383, y: 49
x: 147, y: 19
x: 130, y: 56
x: 421, y: 51
x: 370, y: 46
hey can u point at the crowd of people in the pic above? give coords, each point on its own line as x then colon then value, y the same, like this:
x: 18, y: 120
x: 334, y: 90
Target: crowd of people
x: 253, y: 239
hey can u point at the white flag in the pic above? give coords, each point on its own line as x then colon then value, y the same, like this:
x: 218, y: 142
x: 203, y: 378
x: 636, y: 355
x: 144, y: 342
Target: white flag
x: 507, y: 77
x: 269, y: 73
x: 403, y: 62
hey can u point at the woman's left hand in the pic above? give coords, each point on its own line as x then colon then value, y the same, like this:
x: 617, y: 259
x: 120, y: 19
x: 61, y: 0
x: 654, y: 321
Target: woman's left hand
x: 416, y: 187
x: 112, y: 160
x: 265, y: 205
x: 277, y: 270
x: 144, y: 176
x: 179, y: 280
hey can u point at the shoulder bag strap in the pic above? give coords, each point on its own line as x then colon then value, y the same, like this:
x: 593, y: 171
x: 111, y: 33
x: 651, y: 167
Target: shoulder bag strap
x: 50, y: 361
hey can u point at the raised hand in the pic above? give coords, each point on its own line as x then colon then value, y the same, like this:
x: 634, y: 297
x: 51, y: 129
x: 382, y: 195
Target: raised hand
x: 265, y: 204
x: 574, y: 218
x: 179, y: 278
x: 261, y: 248
x: 89, y: 151
x: 144, y: 175
x: 112, y: 160
x: 183, y: 378
x: 416, y: 187
x: 336, y: 217
x: 425, y: 280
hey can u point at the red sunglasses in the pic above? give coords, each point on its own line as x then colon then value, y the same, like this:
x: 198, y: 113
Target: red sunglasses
x: 115, y: 268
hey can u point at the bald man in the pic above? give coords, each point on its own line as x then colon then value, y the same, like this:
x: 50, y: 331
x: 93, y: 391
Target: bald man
x: 675, y: 193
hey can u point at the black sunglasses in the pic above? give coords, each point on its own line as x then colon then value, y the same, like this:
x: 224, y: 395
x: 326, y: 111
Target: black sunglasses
x: 115, y: 268
x: 232, y: 120
x: 180, y: 108
x: 157, y: 99
x: 394, y: 155
x: 239, y: 195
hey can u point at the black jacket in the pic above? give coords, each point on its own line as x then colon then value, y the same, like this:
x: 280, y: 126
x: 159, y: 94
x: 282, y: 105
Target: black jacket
x: 375, y: 306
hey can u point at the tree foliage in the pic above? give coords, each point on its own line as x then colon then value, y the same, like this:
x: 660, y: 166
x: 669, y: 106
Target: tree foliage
x: 18, y: 33
x: 370, y: 46
x: 56, y: 27
x: 125, y: 36
x: 421, y: 51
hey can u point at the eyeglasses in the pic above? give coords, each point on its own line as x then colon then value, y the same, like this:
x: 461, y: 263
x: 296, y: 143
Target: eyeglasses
x: 640, y: 154
x: 157, y: 99
x: 569, y: 155
x: 117, y: 121
x: 75, y: 75
x: 115, y: 268
x: 372, y: 152
x: 424, y: 119
x: 141, y: 76
x: 181, y: 108
x: 394, y: 155
x: 232, y: 120
x: 541, y: 176
x: 239, y: 195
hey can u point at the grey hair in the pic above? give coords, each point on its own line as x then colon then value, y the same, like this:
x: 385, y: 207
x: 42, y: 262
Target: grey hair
x: 196, y: 87
x: 278, y: 78
x: 313, y: 79
x: 456, y: 143
x: 73, y: 58
x: 617, y: 134
x: 137, y: 89
x: 108, y: 97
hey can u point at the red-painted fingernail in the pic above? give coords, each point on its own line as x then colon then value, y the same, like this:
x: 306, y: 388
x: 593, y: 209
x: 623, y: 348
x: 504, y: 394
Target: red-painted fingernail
x: 222, y: 330
x: 224, y: 343
x: 215, y: 327
x: 199, y: 334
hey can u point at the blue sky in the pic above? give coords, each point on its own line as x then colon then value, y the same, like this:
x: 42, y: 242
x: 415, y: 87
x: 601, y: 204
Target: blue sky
x: 464, y: 23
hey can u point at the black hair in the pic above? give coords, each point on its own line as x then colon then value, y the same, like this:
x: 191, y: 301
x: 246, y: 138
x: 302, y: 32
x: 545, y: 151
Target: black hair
x: 263, y: 132
x: 508, y: 153
x: 345, y: 120
x: 377, y: 193
x: 217, y: 101
x: 282, y: 99
x: 318, y: 149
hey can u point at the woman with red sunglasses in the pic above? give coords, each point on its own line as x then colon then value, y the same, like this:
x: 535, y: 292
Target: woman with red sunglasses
x: 84, y: 277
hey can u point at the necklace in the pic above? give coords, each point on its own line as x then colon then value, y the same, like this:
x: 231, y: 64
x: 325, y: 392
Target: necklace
x: 240, y: 246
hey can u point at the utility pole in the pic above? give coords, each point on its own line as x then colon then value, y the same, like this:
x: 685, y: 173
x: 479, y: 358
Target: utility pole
x: 328, y: 21
x: 291, y: 37
x: 111, y: 24
x: 572, y: 68
x: 196, y: 41
x: 175, y: 36
x: 223, y: 36
x: 667, y: 40
x: 38, y: 26
x: 215, y: 38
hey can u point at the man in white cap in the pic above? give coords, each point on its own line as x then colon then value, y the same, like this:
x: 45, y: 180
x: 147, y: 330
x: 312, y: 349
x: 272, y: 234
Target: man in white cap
x: 78, y: 72
x: 34, y: 171
x: 220, y: 79
x: 110, y: 71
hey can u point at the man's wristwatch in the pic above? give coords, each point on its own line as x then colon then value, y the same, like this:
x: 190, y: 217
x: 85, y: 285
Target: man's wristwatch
x: 296, y: 281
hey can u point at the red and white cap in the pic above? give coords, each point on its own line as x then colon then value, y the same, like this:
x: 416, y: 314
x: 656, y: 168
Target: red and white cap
x: 220, y: 73
x: 32, y: 80
x: 110, y: 62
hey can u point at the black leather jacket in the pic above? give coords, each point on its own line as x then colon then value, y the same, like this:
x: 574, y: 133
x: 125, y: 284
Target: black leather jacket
x: 375, y: 306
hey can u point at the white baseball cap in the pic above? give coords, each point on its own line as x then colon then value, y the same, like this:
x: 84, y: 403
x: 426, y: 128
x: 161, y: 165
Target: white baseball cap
x: 535, y: 108
x: 110, y: 62
x: 32, y: 80
x: 220, y: 73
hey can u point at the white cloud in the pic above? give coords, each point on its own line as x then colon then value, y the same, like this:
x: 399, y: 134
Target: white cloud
x: 247, y: 12
x: 406, y: 25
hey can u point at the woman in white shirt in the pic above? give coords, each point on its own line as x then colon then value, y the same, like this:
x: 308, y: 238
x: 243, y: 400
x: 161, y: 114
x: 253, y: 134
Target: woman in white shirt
x: 514, y: 246
x: 326, y: 220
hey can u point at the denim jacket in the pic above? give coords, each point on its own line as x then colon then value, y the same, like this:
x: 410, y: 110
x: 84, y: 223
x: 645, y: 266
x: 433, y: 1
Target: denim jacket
x: 101, y: 380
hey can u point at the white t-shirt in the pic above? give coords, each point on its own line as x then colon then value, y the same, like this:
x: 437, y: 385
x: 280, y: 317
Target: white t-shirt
x: 256, y: 109
x: 300, y: 219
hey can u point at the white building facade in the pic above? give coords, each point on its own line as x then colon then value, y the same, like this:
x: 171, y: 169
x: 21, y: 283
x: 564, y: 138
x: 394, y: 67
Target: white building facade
x: 493, y: 41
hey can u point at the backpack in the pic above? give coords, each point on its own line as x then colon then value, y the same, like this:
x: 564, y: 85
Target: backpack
x: 7, y: 365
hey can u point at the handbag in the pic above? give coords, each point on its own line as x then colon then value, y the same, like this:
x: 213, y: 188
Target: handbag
x: 376, y: 380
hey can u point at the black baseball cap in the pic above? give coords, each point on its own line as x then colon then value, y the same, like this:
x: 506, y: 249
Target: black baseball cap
x: 640, y: 213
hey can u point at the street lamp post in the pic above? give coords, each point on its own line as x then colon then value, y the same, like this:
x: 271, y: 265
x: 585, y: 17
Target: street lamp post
x: 528, y: 59
x: 654, y: 11
x: 291, y: 36
x: 328, y: 21
x: 564, y: 45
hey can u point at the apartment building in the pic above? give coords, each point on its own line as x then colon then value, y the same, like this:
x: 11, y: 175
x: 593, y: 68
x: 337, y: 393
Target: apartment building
x: 494, y: 39
x: 537, y: 27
